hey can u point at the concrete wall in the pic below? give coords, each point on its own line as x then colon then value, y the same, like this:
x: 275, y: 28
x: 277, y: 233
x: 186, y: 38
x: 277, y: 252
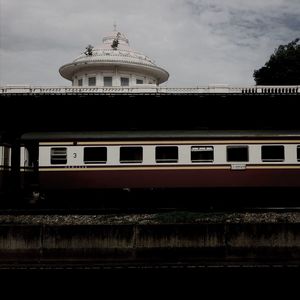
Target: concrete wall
x: 154, y: 243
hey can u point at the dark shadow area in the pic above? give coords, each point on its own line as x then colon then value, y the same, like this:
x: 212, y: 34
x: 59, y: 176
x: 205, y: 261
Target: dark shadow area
x: 205, y: 199
x: 184, y: 283
x: 148, y: 112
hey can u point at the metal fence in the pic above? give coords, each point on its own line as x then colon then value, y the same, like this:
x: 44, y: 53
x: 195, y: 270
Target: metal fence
x: 215, y: 89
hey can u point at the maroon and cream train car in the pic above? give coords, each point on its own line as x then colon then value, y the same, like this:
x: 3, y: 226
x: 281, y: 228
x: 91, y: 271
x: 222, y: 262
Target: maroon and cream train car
x: 174, y: 159
x: 5, y: 164
x: 27, y: 177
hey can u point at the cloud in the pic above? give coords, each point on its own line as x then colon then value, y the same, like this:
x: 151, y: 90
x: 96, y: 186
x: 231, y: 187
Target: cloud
x: 198, y: 41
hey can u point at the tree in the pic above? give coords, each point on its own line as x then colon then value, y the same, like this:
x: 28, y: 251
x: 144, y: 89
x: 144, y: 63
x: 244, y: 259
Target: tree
x: 283, y: 67
x: 115, y: 42
x: 89, y: 50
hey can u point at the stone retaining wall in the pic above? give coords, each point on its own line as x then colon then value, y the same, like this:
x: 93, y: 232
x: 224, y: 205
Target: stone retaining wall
x: 154, y: 243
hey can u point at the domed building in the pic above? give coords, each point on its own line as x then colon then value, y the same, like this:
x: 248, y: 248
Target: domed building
x: 113, y: 64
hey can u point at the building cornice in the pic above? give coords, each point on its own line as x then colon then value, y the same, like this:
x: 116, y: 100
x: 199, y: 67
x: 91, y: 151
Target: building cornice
x: 152, y: 89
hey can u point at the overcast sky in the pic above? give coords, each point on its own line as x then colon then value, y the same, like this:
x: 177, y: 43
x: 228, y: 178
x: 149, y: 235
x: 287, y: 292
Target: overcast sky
x: 199, y: 42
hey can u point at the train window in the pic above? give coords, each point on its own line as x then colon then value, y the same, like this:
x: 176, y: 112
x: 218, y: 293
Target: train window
x: 166, y: 154
x: 237, y: 154
x: 58, y: 156
x: 202, y: 154
x: 298, y: 153
x: 272, y: 153
x: 95, y: 155
x: 131, y: 154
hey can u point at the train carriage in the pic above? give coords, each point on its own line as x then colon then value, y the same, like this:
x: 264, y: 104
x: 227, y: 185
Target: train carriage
x: 173, y: 159
x: 5, y: 163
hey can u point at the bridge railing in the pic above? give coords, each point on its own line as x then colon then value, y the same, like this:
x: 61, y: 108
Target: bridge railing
x: 212, y: 89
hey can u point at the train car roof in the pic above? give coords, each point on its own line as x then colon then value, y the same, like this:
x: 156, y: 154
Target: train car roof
x: 158, y: 135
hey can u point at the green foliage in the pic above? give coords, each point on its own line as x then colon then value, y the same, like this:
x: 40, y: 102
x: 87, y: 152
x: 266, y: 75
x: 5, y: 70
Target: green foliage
x: 283, y: 67
x: 89, y: 50
x: 115, y: 44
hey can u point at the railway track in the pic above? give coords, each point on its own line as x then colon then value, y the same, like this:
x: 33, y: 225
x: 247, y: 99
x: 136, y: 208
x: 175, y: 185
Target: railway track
x: 82, y: 211
x: 140, y: 210
x: 153, y: 266
x: 116, y: 201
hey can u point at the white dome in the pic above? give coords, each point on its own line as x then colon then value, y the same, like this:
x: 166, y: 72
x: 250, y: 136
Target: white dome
x: 105, y: 56
x: 108, y: 39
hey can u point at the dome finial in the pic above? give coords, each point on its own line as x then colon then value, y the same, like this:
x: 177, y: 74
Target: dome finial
x: 115, y: 26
